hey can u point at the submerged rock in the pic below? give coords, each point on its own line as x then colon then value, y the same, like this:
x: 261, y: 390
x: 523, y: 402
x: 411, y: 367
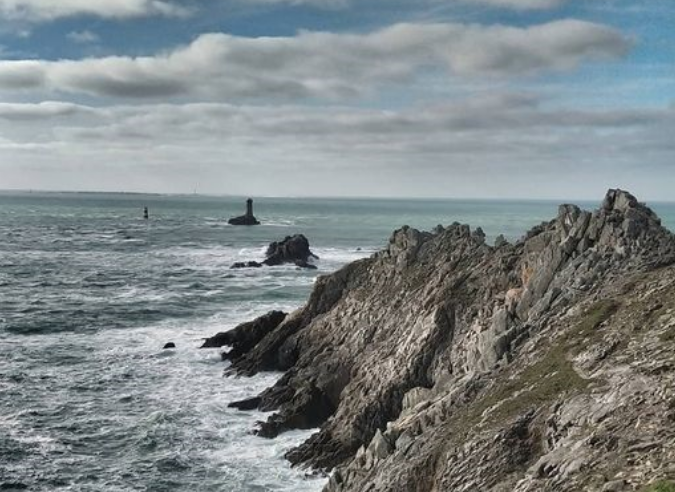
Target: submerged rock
x: 169, y: 345
x: 246, y: 264
x: 443, y: 363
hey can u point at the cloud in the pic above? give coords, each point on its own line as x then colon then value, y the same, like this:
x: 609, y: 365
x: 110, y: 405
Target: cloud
x: 425, y: 150
x: 47, y: 10
x: 83, y: 37
x: 341, y: 4
x: 522, y: 4
x: 40, y: 111
x: 320, y: 64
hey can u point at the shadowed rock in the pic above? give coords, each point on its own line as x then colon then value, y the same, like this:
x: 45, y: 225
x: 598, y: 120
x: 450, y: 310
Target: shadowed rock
x: 293, y: 249
x: 245, y: 336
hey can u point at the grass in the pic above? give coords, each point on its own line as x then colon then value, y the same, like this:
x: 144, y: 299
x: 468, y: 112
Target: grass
x: 537, y: 385
x: 551, y: 376
x: 594, y: 316
x: 661, y: 486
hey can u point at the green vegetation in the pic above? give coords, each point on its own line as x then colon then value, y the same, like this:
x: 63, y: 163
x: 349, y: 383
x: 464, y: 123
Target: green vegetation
x: 551, y: 376
x: 537, y: 385
x: 662, y: 486
x: 594, y: 316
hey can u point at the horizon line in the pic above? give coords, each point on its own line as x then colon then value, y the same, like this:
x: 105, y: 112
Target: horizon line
x: 327, y: 197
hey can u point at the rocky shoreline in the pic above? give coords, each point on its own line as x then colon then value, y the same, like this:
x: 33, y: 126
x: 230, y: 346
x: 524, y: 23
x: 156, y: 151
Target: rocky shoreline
x: 444, y: 363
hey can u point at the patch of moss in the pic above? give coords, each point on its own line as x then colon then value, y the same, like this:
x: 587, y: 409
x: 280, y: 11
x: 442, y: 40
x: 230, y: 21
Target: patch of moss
x: 662, y: 486
x: 551, y: 376
x: 594, y: 316
x: 539, y: 384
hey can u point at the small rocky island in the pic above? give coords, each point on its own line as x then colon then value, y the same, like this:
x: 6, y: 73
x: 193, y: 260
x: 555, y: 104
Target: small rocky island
x: 291, y: 250
x: 248, y: 219
x: 445, y: 364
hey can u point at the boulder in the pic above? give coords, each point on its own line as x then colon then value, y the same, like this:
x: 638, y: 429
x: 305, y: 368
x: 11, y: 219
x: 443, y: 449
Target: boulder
x: 291, y: 250
x: 169, y: 345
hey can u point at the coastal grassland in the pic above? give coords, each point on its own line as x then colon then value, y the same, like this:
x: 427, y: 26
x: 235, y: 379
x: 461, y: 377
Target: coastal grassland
x: 552, y: 375
x: 661, y: 486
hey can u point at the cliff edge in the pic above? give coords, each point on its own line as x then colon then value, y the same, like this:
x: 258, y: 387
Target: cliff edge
x: 444, y: 363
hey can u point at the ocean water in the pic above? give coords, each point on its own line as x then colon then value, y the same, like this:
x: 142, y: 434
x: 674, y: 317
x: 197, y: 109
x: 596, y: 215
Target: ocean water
x: 90, y: 292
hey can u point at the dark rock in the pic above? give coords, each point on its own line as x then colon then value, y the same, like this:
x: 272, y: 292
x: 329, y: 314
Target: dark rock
x: 248, y: 219
x: 311, y: 408
x: 304, y: 264
x: 169, y: 345
x: 292, y: 250
x: 246, y: 264
x: 245, y: 336
x: 248, y: 404
x: 500, y: 241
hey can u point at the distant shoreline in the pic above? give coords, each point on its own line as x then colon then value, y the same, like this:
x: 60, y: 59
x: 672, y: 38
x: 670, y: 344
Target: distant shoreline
x: 315, y: 197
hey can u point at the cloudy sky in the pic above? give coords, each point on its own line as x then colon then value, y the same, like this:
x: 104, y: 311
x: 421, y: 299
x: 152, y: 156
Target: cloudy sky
x: 424, y: 98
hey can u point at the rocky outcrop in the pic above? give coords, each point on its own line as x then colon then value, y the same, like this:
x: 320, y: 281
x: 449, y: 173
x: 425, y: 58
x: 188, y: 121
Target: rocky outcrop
x: 443, y: 363
x: 248, y: 219
x: 245, y: 336
x: 293, y: 249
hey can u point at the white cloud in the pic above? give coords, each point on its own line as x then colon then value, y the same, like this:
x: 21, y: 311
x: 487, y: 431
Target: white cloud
x: 83, y: 37
x: 522, y: 4
x: 46, y: 10
x: 524, y: 146
x: 509, y: 4
x: 317, y: 64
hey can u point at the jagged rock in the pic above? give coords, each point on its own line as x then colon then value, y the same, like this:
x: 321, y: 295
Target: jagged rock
x: 245, y: 336
x: 504, y: 359
x: 248, y: 404
x: 248, y: 219
x: 292, y: 249
x: 614, y: 486
x: 500, y: 241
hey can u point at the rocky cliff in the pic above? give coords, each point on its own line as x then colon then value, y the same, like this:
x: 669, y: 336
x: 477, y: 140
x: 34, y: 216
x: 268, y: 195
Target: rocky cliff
x: 443, y: 363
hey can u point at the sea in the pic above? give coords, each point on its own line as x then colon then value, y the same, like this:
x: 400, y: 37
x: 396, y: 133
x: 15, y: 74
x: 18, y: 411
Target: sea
x: 90, y: 292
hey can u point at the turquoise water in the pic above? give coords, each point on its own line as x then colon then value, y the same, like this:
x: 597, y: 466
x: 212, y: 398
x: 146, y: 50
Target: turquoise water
x: 90, y: 292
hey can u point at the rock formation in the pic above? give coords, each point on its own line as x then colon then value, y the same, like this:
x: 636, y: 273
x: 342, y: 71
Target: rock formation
x: 293, y: 249
x: 446, y: 364
x: 247, y: 219
x: 245, y: 336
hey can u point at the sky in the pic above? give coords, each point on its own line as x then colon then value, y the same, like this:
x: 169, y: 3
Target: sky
x: 425, y: 98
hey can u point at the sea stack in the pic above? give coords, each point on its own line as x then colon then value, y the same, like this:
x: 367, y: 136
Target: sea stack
x: 247, y: 219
